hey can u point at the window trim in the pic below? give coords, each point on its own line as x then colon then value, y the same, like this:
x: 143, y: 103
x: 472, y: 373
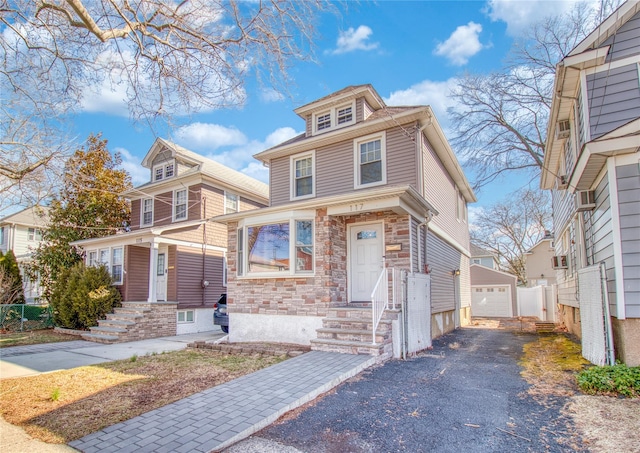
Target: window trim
x: 163, y: 175
x: 333, y: 118
x: 292, y: 220
x: 186, y: 317
x: 382, y: 136
x: 175, y: 205
x: 108, y: 263
x: 142, y: 212
x: 226, y: 193
x: 33, y: 233
x: 292, y: 172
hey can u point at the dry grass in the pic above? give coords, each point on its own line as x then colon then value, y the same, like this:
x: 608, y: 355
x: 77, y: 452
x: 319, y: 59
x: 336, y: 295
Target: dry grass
x: 33, y: 337
x: 604, y: 424
x: 66, y: 405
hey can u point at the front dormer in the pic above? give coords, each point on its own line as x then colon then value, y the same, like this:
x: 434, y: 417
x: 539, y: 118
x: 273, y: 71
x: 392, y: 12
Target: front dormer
x: 344, y: 108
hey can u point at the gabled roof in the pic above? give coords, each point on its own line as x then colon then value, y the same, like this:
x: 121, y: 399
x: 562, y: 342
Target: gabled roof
x: 207, y: 167
x: 35, y: 216
x: 479, y: 251
x: 383, y: 117
x: 346, y: 94
x: 591, y: 52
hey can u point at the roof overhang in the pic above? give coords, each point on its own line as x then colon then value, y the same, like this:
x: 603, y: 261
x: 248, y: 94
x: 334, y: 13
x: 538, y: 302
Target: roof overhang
x: 399, y: 199
x: 595, y: 154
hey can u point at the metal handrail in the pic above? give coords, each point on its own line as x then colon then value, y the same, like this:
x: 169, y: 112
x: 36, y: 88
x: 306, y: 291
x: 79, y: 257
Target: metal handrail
x: 379, y: 301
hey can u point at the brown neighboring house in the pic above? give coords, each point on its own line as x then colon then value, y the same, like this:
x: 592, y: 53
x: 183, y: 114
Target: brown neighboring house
x: 494, y: 293
x: 170, y: 267
x: 366, y: 189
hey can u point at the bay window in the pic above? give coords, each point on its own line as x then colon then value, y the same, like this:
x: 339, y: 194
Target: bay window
x: 268, y: 249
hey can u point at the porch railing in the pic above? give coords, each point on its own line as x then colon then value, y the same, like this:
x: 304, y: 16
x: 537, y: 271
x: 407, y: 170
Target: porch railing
x: 379, y: 300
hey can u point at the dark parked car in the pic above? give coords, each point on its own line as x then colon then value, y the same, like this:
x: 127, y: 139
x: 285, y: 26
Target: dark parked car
x: 220, y: 317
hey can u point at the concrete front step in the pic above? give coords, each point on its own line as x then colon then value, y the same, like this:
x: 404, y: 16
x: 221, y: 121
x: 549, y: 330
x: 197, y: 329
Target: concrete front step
x: 99, y: 338
x: 115, y: 323
x: 355, y: 324
x: 108, y: 330
x: 359, y: 335
x: 125, y: 316
x: 347, y: 347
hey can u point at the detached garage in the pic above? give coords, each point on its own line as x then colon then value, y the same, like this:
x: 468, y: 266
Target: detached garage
x: 493, y: 293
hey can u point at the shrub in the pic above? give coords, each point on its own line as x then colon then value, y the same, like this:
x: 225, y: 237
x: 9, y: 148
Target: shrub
x: 11, y: 291
x: 83, y: 295
x: 617, y: 379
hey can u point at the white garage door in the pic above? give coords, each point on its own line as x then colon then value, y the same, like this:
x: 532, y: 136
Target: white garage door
x: 491, y: 301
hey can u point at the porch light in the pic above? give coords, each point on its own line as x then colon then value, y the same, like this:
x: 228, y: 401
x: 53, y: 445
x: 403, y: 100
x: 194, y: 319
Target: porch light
x: 455, y: 272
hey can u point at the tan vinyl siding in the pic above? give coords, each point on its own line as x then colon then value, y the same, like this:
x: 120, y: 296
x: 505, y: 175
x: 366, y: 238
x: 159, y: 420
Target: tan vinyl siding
x: 163, y: 209
x: 136, y: 282
x: 194, y: 205
x: 402, y: 165
x: 309, y: 125
x: 247, y: 204
x: 440, y: 191
x: 135, y: 214
x: 360, y: 109
x: 614, y: 98
x: 279, y: 180
x: 628, y: 178
x: 442, y: 259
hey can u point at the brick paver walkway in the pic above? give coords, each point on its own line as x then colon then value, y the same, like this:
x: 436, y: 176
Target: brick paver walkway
x: 225, y: 414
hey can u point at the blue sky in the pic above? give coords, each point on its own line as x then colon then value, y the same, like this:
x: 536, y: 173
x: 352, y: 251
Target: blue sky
x: 410, y: 51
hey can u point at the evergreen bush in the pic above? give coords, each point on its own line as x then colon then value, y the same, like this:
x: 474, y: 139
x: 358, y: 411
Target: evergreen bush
x: 83, y: 295
x: 12, y: 291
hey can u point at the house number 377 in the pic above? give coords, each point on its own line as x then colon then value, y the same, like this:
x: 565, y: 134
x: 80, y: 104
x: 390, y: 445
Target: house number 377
x: 356, y: 207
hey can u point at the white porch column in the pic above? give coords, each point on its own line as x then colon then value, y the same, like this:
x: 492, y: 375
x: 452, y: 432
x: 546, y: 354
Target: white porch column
x: 153, y: 270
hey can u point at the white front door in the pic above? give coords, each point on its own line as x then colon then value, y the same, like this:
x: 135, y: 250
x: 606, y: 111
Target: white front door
x: 365, y: 259
x: 161, y: 276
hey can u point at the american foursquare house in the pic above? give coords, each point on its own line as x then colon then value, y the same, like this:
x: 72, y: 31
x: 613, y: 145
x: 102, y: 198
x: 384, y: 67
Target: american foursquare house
x: 367, y: 207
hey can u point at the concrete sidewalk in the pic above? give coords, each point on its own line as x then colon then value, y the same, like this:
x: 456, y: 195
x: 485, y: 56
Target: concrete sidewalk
x: 20, y: 361
x: 222, y: 415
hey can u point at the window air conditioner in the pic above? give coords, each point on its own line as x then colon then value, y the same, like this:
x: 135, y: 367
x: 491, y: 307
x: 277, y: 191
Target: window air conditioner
x: 563, y: 183
x: 563, y: 129
x: 585, y: 200
x: 559, y: 262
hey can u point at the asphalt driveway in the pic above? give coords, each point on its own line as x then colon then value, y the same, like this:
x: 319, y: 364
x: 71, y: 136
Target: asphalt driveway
x: 465, y: 395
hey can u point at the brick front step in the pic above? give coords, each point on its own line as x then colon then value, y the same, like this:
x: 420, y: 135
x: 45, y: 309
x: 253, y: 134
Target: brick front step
x: 356, y: 324
x: 349, y: 334
x: 135, y: 321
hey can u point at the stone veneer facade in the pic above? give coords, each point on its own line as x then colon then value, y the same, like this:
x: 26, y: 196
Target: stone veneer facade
x: 313, y: 295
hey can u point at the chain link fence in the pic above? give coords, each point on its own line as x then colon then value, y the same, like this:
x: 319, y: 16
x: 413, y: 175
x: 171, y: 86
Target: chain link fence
x: 21, y: 317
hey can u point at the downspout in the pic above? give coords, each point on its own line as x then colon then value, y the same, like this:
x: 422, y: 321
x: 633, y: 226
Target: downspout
x: 205, y: 283
x: 423, y: 252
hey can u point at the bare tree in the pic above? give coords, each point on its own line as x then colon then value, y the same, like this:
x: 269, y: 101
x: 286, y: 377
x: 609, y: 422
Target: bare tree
x: 500, y: 119
x: 162, y: 58
x: 511, y: 227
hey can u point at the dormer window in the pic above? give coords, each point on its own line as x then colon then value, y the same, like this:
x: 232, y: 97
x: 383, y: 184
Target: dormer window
x: 345, y: 115
x: 339, y: 116
x: 323, y: 122
x: 163, y: 171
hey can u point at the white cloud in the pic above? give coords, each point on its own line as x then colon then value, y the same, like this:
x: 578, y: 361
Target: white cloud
x: 208, y: 137
x: 519, y: 15
x: 355, y: 39
x: 463, y: 43
x: 427, y: 92
x: 239, y: 155
x: 132, y: 164
x: 270, y: 95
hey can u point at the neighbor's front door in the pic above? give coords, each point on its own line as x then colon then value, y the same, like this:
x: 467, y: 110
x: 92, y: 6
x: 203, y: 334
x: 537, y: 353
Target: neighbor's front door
x: 161, y: 277
x: 365, y: 259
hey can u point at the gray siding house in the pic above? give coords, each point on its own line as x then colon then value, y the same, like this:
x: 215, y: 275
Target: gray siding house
x: 592, y: 167
x: 366, y: 189
x: 170, y: 267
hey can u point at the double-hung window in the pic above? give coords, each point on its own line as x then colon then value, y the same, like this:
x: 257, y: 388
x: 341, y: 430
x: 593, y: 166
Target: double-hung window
x: 180, y: 205
x: 112, y: 258
x: 279, y: 248
x: 34, y: 234
x: 370, y: 158
x: 302, y: 169
x: 334, y: 118
x: 147, y: 211
x: 345, y: 115
x: 231, y: 204
x: 323, y: 121
x: 164, y: 171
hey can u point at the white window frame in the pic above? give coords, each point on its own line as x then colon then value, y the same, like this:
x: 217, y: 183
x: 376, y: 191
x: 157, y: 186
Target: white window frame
x: 2, y: 235
x: 326, y: 116
x: 185, y: 316
x: 382, y: 136
x: 167, y: 170
x: 143, y: 212
x: 105, y: 256
x: 292, y: 167
x: 33, y: 233
x: 226, y: 200
x: 291, y: 219
x: 175, y: 205
x: 333, y: 118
